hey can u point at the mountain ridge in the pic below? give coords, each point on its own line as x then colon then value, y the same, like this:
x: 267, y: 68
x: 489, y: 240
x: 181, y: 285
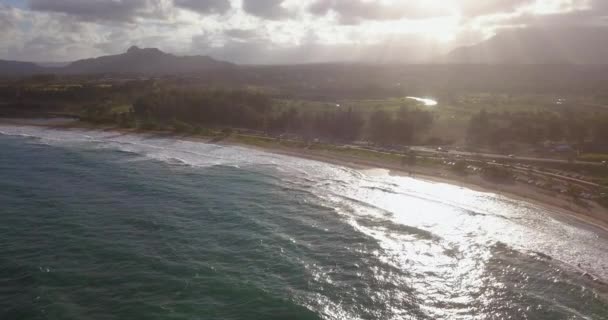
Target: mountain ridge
x: 587, y: 46
x: 134, y: 61
x: 146, y: 60
x: 531, y: 46
x: 10, y: 67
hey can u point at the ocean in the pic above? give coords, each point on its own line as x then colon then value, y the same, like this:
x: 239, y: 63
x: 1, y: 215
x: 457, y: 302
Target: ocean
x: 104, y: 225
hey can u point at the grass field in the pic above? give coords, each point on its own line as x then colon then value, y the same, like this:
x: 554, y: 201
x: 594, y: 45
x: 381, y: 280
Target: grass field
x: 595, y: 157
x: 452, y: 114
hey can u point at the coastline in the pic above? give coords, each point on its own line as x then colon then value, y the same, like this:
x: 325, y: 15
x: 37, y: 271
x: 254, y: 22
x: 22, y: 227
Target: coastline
x: 563, y: 208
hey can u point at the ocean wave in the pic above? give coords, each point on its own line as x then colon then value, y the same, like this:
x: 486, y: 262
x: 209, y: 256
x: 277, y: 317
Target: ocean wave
x: 447, y: 212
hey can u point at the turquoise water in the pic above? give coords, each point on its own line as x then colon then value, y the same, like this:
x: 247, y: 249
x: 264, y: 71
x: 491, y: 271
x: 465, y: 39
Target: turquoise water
x: 98, y: 225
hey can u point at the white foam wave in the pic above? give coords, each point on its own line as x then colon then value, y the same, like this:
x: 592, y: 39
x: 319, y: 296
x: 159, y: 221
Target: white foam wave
x: 441, y: 209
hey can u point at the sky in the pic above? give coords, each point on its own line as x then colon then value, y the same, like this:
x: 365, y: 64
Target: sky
x: 276, y: 31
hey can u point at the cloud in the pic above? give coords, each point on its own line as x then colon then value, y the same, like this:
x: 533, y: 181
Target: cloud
x: 357, y: 11
x: 241, y: 34
x: 47, y: 38
x: 8, y: 18
x: 473, y: 8
x: 112, y: 10
x: 250, y: 47
x: 267, y: 9
x: 598, y: 9
x: 360, y: 11
x: 204, y: 6
x: 600, y: 6
x: 570, y: 14
x: 280, y: 31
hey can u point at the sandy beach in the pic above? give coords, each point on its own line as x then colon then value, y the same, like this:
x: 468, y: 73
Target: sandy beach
x: 563, y: 206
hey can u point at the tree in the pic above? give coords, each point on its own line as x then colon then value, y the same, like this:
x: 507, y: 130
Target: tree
x: 600, y: 130
x: 350, y: 124
x: 380, y: 127
x: 555, y: 129
x: 479, y: 128
x: 577, y: 130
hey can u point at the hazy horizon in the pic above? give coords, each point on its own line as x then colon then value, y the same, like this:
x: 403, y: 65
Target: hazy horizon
x: 280, y: 31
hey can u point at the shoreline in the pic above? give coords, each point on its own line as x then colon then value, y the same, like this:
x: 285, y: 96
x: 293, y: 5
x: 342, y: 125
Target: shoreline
x: 563, y: 209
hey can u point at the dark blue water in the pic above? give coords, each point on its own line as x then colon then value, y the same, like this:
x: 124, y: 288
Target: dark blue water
x: 100, y: 233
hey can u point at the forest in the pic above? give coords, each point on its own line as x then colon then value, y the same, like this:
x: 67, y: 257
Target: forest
x: 255, y: 111
x: 535, y: 128
x: 486, y: 121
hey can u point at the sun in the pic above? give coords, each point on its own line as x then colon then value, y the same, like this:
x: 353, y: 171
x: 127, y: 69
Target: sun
x: 436, y: 19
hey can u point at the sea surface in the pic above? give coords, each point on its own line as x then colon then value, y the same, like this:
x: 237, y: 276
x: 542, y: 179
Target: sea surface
x: 103, y: 225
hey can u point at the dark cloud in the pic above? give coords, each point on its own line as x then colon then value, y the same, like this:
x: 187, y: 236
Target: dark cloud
x: 68, y: 29
x: 113, y: 10
x: 356, y: 11
x: 204, y: 6
x: 267, y: 9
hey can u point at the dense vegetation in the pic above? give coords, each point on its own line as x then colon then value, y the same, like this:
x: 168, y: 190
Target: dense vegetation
x: 339, y: 112
x: 505, y: 122
x: 535, y: 128
x: 153, y: 105
x: 255, y: 111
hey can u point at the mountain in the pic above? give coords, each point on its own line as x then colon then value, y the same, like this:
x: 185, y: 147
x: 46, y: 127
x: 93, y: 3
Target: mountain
x: 19, y: 68
x: 134, y: 61
x: 538, y: 46
x: 146, y: 61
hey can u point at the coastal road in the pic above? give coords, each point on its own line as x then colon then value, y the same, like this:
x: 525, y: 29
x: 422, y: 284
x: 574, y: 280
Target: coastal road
x: 493, y: 156
x: 482, y: 157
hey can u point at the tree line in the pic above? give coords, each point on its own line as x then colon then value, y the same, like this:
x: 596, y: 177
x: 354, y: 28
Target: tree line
x: 256, y: 111
x: 533, y: 128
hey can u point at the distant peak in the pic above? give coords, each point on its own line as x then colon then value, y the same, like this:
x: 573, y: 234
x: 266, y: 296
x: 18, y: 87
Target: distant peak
x: 133, y: 49
x: 136, y: 49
